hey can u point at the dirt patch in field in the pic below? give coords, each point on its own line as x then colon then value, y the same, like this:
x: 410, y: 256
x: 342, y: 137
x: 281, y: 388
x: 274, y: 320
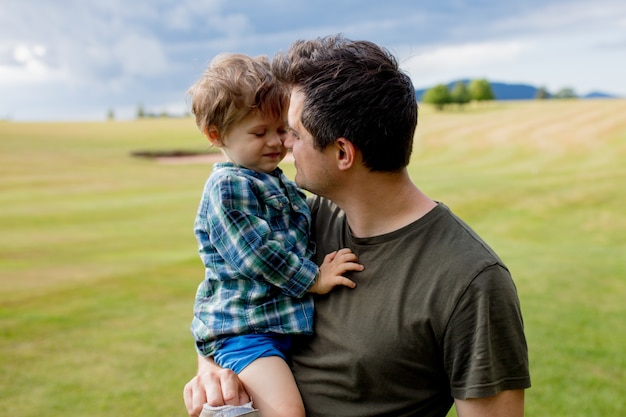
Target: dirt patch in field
x: 187, y: 157
x: 210, y: 158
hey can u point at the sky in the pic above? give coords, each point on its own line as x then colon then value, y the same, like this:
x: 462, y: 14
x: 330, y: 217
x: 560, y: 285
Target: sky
x: 78, y: 60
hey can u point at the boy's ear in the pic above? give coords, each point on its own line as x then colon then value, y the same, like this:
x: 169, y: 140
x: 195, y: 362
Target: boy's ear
x: 213, y: 135
x: 346, y: 153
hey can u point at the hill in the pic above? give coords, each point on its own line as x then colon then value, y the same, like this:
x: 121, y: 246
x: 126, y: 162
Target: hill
x: 505, y: 91
x: 598, y: 94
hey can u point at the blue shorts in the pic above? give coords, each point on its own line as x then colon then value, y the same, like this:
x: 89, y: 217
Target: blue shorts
x: 237, y: 352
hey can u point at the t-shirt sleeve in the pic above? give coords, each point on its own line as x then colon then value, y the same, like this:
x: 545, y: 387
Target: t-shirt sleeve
x: 485, y: 350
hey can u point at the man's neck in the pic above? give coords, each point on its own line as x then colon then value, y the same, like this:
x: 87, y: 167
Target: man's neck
x: 382, y: 203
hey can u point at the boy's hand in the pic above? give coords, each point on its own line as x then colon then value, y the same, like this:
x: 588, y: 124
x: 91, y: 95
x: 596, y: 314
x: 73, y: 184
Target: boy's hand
x: 332, y: 269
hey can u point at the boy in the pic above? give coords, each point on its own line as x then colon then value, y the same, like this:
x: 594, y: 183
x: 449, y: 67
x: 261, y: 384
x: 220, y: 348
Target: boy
x: 252, y: 227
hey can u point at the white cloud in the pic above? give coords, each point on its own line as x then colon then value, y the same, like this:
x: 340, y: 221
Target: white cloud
x: 27, y: 64
x: 570, y: 17
x: 468, y: 55
x: 138, y: 55
x: 187, y: 15
x: 445, y: 63
x: 25, y: 53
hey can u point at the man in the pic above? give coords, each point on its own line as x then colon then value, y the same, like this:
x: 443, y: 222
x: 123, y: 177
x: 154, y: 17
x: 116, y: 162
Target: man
x: 434, y: 319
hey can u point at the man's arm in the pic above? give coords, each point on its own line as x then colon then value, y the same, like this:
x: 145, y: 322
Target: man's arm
x: 509, y: 403
x: 213, y: 385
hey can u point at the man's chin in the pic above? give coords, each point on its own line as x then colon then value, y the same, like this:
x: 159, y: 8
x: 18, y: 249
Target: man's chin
x: 300, y: 183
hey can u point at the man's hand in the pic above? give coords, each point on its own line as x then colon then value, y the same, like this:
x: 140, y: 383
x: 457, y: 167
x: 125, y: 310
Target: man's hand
x: 213, y: 385
x: 332, y: 269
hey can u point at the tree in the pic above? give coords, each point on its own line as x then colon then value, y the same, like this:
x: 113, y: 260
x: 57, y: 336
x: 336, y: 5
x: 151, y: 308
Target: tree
x: 111, y: 115
x: 542, y: 93
x: 439, y: 96
x: 480, y: 90
x: 566, y: 93
x: 460, y: 94
x: 140, y: 112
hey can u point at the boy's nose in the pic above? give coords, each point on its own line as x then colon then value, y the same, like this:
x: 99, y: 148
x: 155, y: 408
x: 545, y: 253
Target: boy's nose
x: 288, y: 141
x: 276, y: 140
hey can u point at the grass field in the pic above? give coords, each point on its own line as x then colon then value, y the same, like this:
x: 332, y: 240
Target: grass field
x: 98, y: 263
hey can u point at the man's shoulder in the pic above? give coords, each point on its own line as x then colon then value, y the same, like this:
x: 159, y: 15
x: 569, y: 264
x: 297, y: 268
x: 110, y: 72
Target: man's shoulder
x: 464, y: 237
x: 323, y: 208
x: 317, y: 203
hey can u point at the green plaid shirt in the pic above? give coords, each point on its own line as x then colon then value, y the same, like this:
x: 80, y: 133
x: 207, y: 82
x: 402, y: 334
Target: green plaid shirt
x: 253, y: 235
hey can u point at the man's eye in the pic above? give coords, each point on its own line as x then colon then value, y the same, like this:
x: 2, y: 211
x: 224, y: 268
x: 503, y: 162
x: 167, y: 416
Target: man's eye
x: 291, y: 132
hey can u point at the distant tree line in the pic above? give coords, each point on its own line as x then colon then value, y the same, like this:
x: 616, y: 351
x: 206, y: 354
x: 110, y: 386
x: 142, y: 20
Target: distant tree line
x: 461, y: 93
x: 143, y: 114
x: 479, y: 90
x: 563, y: 93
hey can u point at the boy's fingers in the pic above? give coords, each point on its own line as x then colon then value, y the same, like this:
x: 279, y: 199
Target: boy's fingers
x: 349, y: 266
x: 346, y: 282
x: 330, y: 257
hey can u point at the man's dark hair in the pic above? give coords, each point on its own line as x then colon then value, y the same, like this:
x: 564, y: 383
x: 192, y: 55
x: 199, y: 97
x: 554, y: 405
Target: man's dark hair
x: 355, y: 90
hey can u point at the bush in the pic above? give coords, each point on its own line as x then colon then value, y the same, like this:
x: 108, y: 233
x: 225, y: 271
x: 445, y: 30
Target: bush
x: 439, y: 95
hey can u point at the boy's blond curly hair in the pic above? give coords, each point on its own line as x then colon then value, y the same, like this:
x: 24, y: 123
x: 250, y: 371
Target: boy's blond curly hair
x: 231, y: 87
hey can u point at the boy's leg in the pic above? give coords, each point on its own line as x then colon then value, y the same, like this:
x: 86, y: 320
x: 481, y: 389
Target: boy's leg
x: 272, y: 387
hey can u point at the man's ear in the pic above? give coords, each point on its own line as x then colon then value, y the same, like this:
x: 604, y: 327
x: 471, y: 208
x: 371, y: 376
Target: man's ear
x: 213, y: 135
x: 346, y: 153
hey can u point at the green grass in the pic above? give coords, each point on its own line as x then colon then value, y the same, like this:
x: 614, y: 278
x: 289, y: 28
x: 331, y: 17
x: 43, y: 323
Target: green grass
x: 98, y: 263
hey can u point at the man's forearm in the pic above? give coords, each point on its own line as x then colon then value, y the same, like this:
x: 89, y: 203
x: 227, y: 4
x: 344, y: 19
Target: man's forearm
x: 508, y: 403
x: 206, y: 364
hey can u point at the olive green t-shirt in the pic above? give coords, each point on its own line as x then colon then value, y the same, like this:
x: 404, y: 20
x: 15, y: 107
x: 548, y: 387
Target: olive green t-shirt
x: 435, y: 316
